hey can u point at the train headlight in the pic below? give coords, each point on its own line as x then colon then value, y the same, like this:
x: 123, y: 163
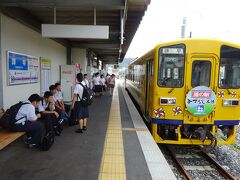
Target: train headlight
x: 168, y: 101
x: 230, y: 102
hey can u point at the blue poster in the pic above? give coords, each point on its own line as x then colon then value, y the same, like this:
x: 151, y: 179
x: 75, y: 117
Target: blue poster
x: 17, y: 62
x: 22, y: 68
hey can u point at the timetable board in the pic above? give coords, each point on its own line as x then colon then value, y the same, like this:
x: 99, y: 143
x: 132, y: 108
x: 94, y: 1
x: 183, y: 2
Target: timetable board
x: 22, y: 68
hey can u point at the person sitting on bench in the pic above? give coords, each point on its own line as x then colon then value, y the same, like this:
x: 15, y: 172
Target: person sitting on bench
x: 27, y: 121
x: 49, y: 115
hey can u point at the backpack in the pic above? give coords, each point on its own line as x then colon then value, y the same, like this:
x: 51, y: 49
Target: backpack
x: 9, y: 117
x: 87, y: 96
x: 47, y: 141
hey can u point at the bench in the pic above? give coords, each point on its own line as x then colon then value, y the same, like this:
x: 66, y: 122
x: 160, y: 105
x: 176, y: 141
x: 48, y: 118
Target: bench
x: 7, y: 137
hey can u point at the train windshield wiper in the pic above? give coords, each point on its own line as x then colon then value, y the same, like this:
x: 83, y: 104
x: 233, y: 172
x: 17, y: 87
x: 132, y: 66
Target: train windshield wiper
x: 171, y: 90
x: 229, y: 92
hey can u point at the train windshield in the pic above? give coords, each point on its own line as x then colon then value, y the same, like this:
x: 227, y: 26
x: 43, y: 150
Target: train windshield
x: 171, y: 66
x: 201, y: 72
x: 229, y: 73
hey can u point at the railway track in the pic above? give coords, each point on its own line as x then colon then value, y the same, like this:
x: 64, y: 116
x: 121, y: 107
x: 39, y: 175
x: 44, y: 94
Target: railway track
x: 199, y: 161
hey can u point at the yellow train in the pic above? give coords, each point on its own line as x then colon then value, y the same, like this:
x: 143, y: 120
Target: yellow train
x: 188, y: 90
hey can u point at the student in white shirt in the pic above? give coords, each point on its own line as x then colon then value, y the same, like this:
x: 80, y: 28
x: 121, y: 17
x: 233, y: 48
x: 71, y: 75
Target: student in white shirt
x: 59, y: 104
x: 97, y: 84
x: 103, y: 83
x: 47, y: 105
x: 30, y: 123
x: 59, y: 107
x: 85, y: 81
x: 58, y: 96
x: 50, y: 116
x: 81, y: 112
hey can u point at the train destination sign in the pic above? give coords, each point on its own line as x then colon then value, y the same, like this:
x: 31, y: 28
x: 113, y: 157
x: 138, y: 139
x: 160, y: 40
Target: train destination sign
x: 172, y: 50
x: 200, y: 101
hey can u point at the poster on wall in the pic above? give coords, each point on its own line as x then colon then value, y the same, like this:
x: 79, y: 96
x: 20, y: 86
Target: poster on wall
x: 22, y: 68
x: 45, y: 74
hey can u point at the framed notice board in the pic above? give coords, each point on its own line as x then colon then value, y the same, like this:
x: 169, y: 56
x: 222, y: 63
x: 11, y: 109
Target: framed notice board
x: 22, y: 68
x: 45, y: 80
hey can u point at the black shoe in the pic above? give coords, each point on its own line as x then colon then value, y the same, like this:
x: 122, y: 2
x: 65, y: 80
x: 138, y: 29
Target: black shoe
x: 27, y: 140
x: 84, y: 128
x: 30, y: 146
x: 79, y: 131
x: 57, y: 133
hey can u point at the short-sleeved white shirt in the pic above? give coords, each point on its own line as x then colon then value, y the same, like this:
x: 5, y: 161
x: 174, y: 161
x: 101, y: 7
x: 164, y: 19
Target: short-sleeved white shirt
x: 85, y: 82
x: 43, y: 106
x: 96, y: 80
x: 27, y: 111
x: 102, y: 81
x: 78, y: 90
x: 58, y: 96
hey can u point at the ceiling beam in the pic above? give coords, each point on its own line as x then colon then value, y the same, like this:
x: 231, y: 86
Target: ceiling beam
x: 66, y: 4
x: 94, y: 45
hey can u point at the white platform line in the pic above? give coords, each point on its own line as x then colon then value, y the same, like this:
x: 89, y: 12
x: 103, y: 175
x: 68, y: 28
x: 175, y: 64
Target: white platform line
x: 156, y: 162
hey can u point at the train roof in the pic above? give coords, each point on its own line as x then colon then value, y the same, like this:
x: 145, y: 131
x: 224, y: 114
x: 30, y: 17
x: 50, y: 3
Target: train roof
x: 186, y: 40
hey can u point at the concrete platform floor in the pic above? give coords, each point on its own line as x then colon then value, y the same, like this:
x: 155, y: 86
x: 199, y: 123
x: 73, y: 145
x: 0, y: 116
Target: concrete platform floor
x: 75, y: 156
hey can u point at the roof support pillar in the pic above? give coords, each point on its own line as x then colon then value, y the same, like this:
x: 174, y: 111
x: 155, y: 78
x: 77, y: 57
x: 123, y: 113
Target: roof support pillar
x: 95, y: 18
x: 54, y: 16
x: 1, y: 72
x: 69, y: 55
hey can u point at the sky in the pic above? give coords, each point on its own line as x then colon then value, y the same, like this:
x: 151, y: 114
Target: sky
x: 218, y: 19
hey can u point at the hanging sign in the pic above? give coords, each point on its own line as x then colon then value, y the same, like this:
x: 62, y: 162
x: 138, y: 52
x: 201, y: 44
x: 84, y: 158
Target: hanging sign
x: 200, y: 101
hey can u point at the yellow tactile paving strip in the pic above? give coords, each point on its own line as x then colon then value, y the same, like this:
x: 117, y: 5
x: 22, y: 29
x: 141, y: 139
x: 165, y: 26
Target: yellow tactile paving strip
x: 113, y: 162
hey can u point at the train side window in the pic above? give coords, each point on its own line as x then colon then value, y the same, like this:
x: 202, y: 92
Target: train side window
x: 201, y: 73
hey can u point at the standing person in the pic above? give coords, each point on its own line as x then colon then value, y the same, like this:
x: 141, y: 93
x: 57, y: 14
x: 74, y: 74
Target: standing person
x: 111, y: 83
x: 85, y: 81
x: 97, y: 85
x: 27, y: 121
x: 81, y: 111
x: 107, y: 79
x: 103, y: 83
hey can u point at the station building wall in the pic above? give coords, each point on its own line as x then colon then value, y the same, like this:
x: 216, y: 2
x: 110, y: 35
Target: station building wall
x: 20, y: 38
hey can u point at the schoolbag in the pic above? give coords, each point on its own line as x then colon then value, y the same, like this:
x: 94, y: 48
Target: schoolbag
x: 47, y: 141
x: 87, y: 96
x: 9, y: 117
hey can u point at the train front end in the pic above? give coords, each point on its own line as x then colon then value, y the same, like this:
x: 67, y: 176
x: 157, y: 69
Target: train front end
x: 197, y: 91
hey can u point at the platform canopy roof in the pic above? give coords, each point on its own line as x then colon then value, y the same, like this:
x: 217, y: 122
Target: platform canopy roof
x: 122, y: 16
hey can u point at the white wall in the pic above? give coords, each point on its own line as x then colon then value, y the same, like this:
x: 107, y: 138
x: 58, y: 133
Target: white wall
x: 19, y: 38
x: 79, y: 56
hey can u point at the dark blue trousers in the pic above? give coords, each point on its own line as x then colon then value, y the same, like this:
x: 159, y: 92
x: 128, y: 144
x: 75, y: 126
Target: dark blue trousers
x: 33, y: 129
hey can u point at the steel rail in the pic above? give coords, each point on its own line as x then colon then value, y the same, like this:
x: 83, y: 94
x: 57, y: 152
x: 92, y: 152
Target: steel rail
x: 219, y: 168
x: 180, y: 167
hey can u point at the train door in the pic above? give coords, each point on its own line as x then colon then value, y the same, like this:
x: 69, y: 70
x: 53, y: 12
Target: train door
x: 149, y: 73
x: 200, y: 73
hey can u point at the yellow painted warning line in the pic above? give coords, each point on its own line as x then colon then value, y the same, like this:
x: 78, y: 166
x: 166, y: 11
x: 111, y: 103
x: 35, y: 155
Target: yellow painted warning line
x: 113, y: 162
